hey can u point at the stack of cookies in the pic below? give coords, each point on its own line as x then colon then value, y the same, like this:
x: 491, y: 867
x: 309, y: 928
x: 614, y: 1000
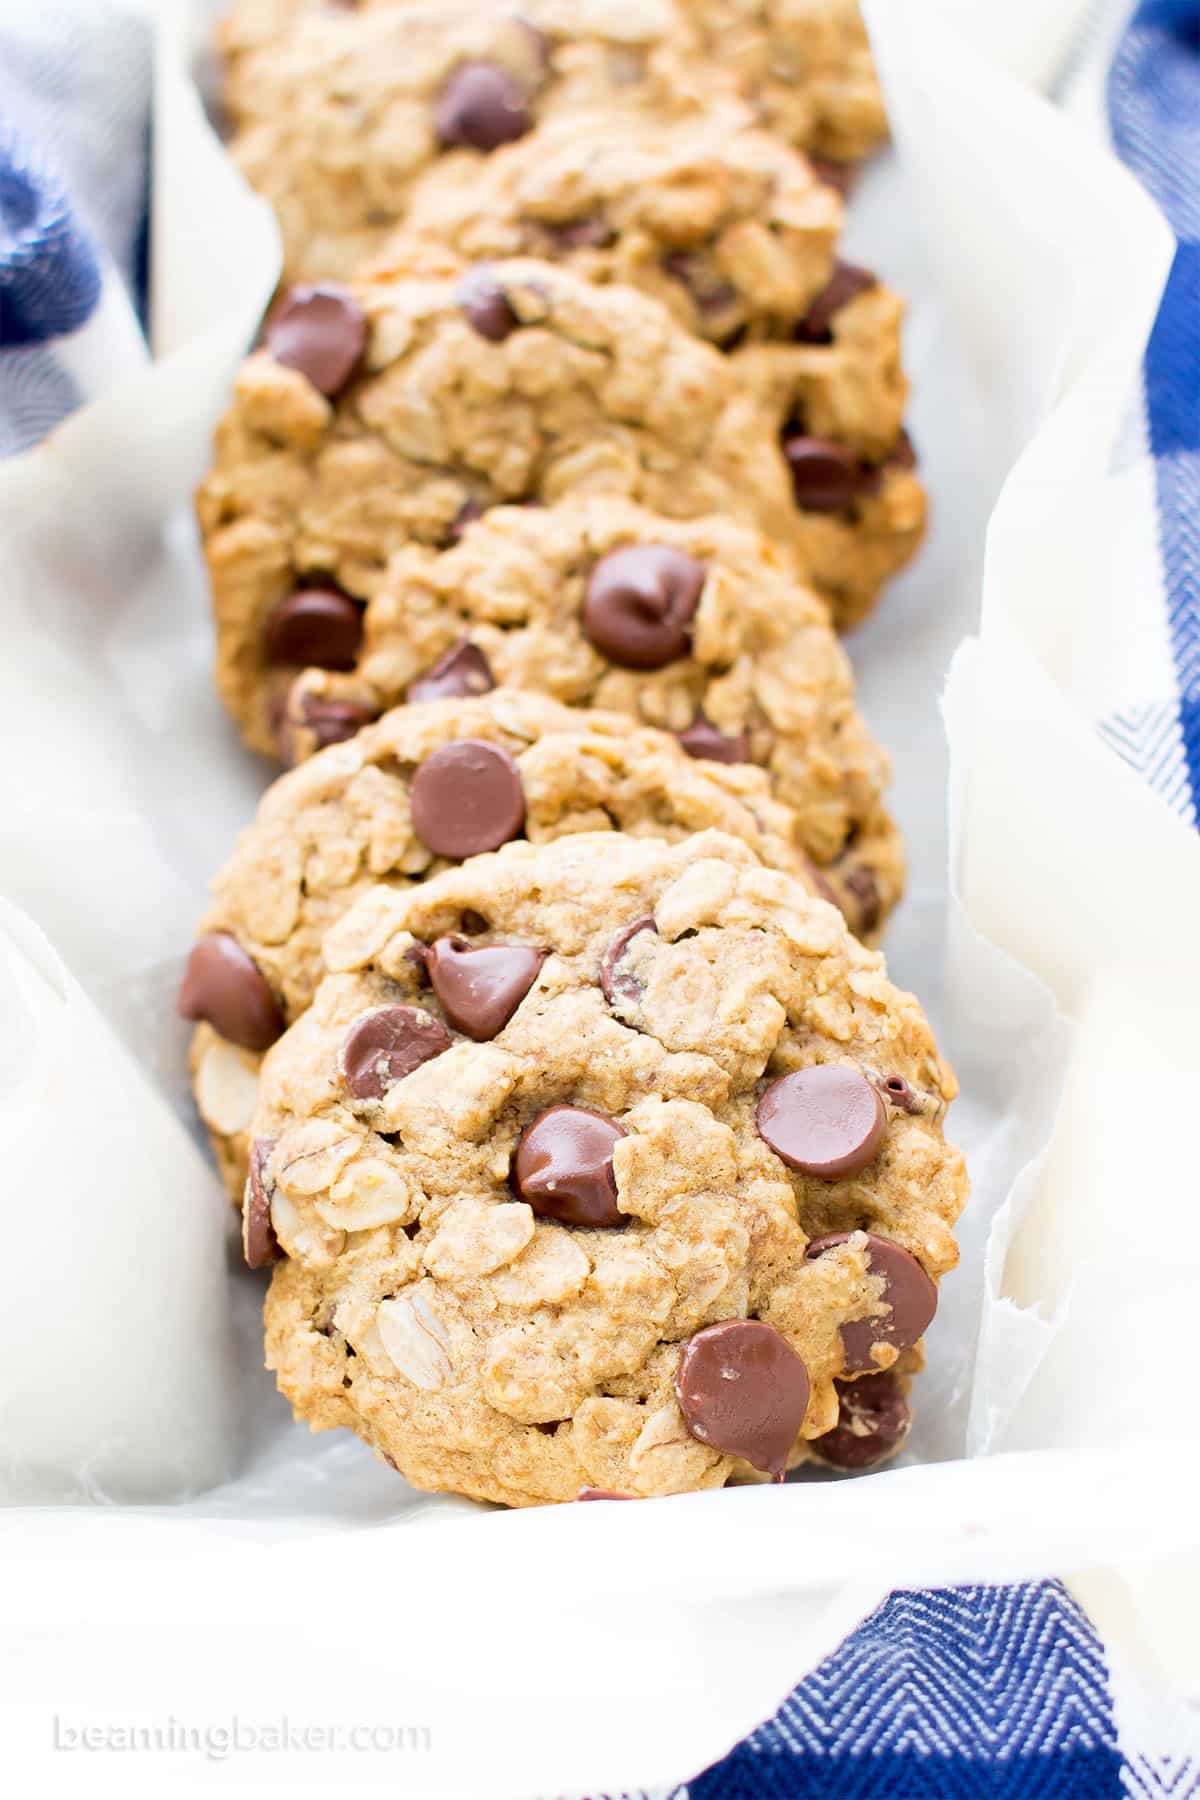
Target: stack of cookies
x: 538, y: 1029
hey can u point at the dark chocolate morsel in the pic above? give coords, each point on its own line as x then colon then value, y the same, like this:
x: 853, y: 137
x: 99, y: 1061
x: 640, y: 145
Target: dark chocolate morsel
x: 316, y: 628
x: 486, y: 305
x: 904, y: 453
x: 827, y: 1120
x: 909, y: 1295
x: 593, y: 1493
x: 387, y: 1044
x: 481, y: 106
x: 873, y: 1422
x: 898, y: 1093
x: 563, y: 1166
x: 614, y: 984
x: 862, y: 885
x: 225, y: 986
x: 844, y: 285
x: 703, y: 741
x: 639, y: 605
x: 742, y: 1389
x: 467, y: 797
x: 320, y: 331
x: 582, y: 234
x: 462, y: 671
x: 710, y: 291
x: 480, y: 987
x: 839, y: 175
x: 826, y: 476
x: 468, y: 512
x: 259, y: 1244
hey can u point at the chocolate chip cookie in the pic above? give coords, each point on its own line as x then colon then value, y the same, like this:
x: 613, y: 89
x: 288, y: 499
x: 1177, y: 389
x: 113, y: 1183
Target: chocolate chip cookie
x: 431, y: 784
x: 732, y: 230
x: 697, y: 627
x: 804, y: 65
x: 397, y: 412
x: 601, y: 1164
x: 337, y: 109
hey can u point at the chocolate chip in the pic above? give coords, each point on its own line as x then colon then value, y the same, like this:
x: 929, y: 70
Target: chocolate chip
x: 840, y: 175
x: 895, y: 1089
x: 846, y: 283
x: 591, y: 1493
x: 820, y: 884
x: 826, y: 476
x: 582, y: 234
x: 486, y: 305
x: 873, y: 1421
x: 321, y: 332
x: 225, y: 986
x: 908, y: 1292
x: 742, y: 1388
x: 318, y: 628
x: 904, y: 455
x: 334, y: 721
x: 463, y: 670
x: 386, y: 1045
x: 259, y: 1244
x: 468, y: 512
x: 710, y: 291
x: 863, y: 886
x: 480, y: 989
x: 563, y: 1166
x: 826, y: 1121
x: 467, y: 797
x: 481, y: 107
x: 616, y: 983
x: 703, y: 741
x: 639, y: 605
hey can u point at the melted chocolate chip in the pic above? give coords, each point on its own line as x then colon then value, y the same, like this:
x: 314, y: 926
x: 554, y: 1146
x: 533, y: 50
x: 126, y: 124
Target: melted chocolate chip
x: 563, y: 1166
x: 317, y: 628
x: 909, y: 1294
x: 468, y: 512
x: 224, y: 986
x: 703, y: 741
x: 480, y: 107
x: 898, y: 1093
x: 462, y: 671
x: 826, y: 1121
x: 387, y: 1044
x: 839, y: 175
x: 873, y: 1421
x: 259, y: 1243
x: 639, y: 605
x: 846, y: 283
x: 486, y: 305
x: 481, y: 988
x: 321, y: 331
x: 861, y: 883
x: 593, y: 1493
x: 904, y: 454
x: 742, y: 1389
x: 710, y: 291
x: 616, y: 983
x: 467, y: 797
x: 826, y: 476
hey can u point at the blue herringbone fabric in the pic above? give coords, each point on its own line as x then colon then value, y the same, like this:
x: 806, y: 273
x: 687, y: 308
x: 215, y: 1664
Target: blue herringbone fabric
x: 1154, y: 114
x: 963, y: 1694
x: 74, y: 137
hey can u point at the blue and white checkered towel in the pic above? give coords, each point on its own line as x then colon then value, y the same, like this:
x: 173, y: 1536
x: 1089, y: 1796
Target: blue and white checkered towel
x: 969, y: 1694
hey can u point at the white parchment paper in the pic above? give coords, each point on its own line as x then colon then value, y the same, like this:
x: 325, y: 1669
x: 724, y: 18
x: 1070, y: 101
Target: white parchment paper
x: 603, y: 1647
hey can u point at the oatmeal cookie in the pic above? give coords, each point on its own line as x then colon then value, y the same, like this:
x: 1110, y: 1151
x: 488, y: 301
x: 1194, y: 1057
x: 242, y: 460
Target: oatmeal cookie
x: 360, y: 814
x: 804, y: 65
x: 397, y: 412
x: 599, y: 1164
x: 338, y: 109
x: 733, y: 231
x: 697, y: 627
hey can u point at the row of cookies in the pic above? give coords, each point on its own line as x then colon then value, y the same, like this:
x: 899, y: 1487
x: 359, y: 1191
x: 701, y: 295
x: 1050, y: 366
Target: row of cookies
x: 591, y: 1148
